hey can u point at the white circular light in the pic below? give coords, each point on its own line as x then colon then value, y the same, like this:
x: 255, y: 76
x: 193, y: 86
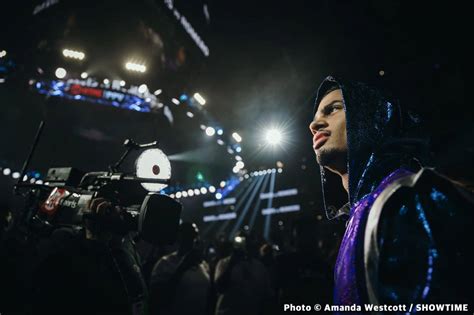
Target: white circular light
x: 220, y: 132
x: 184, y: 193
x: 60, y: 73
x: 15, y: 175
x: 212, y: 189
x: 273, y: 136
x: 203, y: 190
x: 7, y: 171
x: 197, y: 192
x: 178, y: 194
x: 218, y: 196
x: 210, y: 131
x: 235, y: 169
x: 190, y: 192
x: 39, y: 182
x: 106, y: 81
x: 142, y: 88
x: 172, y: 196
x: 240, y: 164
x: 153, y: 164
x: 84, y: 75
x: 122, y: 83
x: 222, y: 184
x: 280, y: 170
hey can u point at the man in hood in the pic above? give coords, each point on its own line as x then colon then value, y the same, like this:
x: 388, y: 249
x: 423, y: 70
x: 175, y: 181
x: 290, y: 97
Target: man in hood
x: 406, y: 238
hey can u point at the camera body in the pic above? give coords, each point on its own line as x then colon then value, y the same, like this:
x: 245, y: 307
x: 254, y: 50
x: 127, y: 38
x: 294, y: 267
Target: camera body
x: 65, y: 197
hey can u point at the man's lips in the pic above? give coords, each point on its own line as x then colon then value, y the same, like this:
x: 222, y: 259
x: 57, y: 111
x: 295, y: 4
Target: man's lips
x: 320, y: 139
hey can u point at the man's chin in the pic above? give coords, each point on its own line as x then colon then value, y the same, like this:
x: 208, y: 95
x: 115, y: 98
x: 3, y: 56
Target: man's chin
x: 328, y: 157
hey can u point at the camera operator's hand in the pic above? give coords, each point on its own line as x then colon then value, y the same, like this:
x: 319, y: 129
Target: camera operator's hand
x: 100, y: 208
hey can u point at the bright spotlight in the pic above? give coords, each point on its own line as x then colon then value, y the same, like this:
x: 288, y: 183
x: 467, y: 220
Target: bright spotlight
x: 280, y: 170
x: 236, y: 169
x: 122, y: 83
x: 106, y: 81
x: 220, y: 132
x: 210, y: 131
x: 273, y: 136
x: 60, y: 73
x: 222, y: 184
x: 240, y: 164
x: 74, y: 54
x: 172, y: 196
x: 39, y: 182
x: 238, y: 158
x: 189, y: 114
x: 220, y: 142
x: 184, y: 194
x: 190, y: 192
x: 84, y: 75
x: 203, y: 190
x: 199, y: 98
x: 135, y: 67
x: 212, y: 189
x: 197, y: 192
x: 218, y: 196
x: 3, y: 53
x: 15, y: 175
x: 142, y: 88
x: 157, y: 92
x: 178, y: 194
x: 238, y: 149
x: 236, y: 137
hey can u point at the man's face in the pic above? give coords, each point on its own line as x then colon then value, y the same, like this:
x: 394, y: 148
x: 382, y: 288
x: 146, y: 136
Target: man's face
x: 329, y: 132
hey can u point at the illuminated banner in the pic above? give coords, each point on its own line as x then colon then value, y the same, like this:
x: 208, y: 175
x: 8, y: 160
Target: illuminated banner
x: 279, y: 194
x: 284, y: 209
x: 106, y: 94
x: 214, y: 203
x: 220, y: 217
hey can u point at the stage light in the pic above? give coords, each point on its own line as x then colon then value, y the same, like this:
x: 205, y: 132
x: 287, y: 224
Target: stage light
x: 240, y: 164
x: 203, y: 190
x: 210, y: 131
x: 25, y: 178
x: 381, y: 73
x: 236, y: 137
x: 212, y: 189
x: 39, y: 182
x: 172, y: 196
x: 74, y: 54
x: 220, y: 142
x: 178, y: 194
x: 273, y: 136
x: 135, y: 67
x: 280, y: 170
x: 32, y: 180
x: 197, y: 192
x: 238, y: 149
x: 246, y: 176
x: 60, y: 73
x: 15, y: 175
x: 3, y: 53
x: 142, y: 88
x: 220, y: 131
x: 279, y: 164
x: 122, y: 83
x: 222, y: 184
x: 84, y: 75
x: 157, y: 92
x: 190, y: 115
x: 199, y: 98
x: 175, y: 100
x: 236, y: 169
x: 190, y: 192
x: 184, y: 194
x: 238, y: 158
x: 203, y: 127
x: 218, y: 196
x: 106, y: 81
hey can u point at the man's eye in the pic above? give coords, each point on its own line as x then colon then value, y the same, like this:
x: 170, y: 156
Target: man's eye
x: 331, y: 109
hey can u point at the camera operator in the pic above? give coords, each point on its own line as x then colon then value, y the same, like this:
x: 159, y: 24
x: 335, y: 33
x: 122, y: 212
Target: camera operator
x: 242, y: 281
x: 90, y: 271
x: 180, y: 282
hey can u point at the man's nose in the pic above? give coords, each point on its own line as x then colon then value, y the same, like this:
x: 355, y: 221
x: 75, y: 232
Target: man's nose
x: 316, y: 125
